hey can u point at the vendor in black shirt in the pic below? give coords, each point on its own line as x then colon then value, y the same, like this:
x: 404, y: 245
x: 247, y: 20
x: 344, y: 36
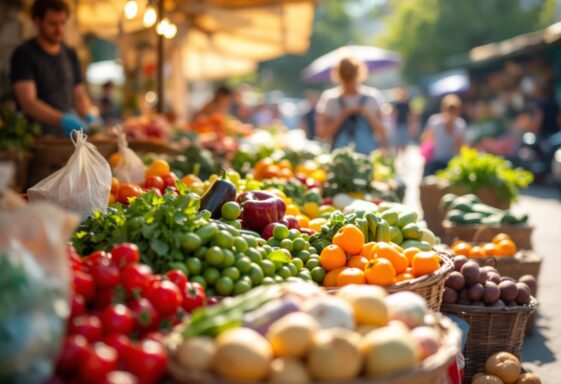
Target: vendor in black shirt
x: 46, y: 76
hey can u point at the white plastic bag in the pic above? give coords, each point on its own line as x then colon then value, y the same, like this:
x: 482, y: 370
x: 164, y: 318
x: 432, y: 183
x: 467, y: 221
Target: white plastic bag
x: 131, y: 169
x: 82, y: 185
x: 34, y: 290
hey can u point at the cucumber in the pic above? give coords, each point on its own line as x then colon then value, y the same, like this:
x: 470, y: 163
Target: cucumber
x: 383, y: 232
x: 362, y: 224
x: 412, y: 232
x: 510, y: 218
x: 391, y: 216
x: 494, y: 219
x: 484, y: 209
x: 405, y: 218
x: 472, y: 198
x: 422, y: 245
x: 455, y: 216
x: 428, y: 236
x: 446, y: 201
x: 472, y: 218
x: 464, y: 207
x: 396, y: 235
x: 373, y: 221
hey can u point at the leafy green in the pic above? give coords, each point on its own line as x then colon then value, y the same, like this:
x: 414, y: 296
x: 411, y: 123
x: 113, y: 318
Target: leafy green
x: 197, y: 160
x: 472, y: 170
x: 348, y: 171
x: 336, y: 221
x: 295, y: 190
x: 16, y: 132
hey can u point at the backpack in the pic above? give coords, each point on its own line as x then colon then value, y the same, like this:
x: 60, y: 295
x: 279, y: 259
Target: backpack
x: 355, y: 131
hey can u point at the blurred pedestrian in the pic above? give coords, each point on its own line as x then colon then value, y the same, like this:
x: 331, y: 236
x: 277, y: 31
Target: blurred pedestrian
x: 404, y: 118
x: 308, y: 119
x: 349, y: 114
x: 444, y: 135
x: 263, y: 115
x: 107, y: 108
x: 220, y: 103
x: 546, y: 113
x: 239, y: 107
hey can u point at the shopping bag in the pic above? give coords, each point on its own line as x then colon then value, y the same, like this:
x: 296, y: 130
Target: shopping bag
x: 34, y: 290
x: 82, y: 185
x: 130, y: 169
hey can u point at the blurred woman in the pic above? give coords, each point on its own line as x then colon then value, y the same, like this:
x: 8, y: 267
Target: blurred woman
x: 404, y: 117
x: 444, y: 134
x: 349, y: 114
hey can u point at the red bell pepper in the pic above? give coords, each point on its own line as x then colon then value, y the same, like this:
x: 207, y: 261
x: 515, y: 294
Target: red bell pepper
x: 260, y: 209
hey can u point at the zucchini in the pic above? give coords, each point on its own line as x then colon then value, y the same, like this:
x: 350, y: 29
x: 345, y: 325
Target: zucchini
x: 409, y: 217
x: 383, y: 232
x: 373, y: 221
x: 412, y: 232
x: 485, y: 209
x: 422, y: 245
x: 396, y: 235
x: 510, y: 218
x: 428, y: 236
x: 473, y: 199
x: 472, y: 218
x: 494, y: 219
x: 455, y: 216
x: 446, y: 201
x: 464, y: 207
x: 391, y: 216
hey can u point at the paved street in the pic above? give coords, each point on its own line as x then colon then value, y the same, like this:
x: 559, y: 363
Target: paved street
x: 542, y: 350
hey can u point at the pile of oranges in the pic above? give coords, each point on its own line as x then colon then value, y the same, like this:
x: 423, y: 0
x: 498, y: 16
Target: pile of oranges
x: 349, y: 260
x: 158, y: 178
x: 268, y: 169
x: 501, y: 245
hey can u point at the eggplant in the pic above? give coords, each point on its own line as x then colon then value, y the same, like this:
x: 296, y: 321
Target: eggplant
x: 220, y: 192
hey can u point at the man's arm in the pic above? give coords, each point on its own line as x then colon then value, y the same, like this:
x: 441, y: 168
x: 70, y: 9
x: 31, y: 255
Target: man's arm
x: 82, y: 103
x: 26, y: 95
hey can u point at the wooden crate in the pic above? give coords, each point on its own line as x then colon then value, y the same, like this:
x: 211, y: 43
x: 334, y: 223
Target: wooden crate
x: 520, y: 234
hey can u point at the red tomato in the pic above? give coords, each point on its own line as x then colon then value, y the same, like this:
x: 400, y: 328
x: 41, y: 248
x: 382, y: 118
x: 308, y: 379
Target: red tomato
x: 178, y: 278
x: 125, y: 254
x: 84, y: 285
x: 107, y: 296
x: 73, y: 353
x: 135, y: 277
x: 164, y: 296
x: 120, y: 377
x: 101, y: 360
x: 128, y: 191
x: 154, y: 182
x: 147, y: 360
x: 105, y: 274
x: 169, y: 180
x: 77, y: 305
x: 117, y: 319
x: 155, y: 336
x: 95, y: 257
x: 145, y: 315
x: 194, y: 296
x: 87, y: 326
x: 120, y: 342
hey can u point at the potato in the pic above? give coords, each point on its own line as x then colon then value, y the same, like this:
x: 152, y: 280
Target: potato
x: 242, y: 354
x: 486, y: 379
x: 335, y: 355
x: 492, y: 293
x: 368, y: 303
x: 505, y: 366
x: 509, y: 291
x: 494, y: 277
x: 528, y: 378
x: 531, y: 282
x: 471, y: 271
x: 475, y: 292
x: 196, y: 353
x: 292, y: 335
x: 459, y: 261
x: 455, y: 281
x: 523, y: 293
x: 288, y: 371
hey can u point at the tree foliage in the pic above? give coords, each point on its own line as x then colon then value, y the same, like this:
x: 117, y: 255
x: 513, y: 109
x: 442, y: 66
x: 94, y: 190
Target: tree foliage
x: 428, y: 32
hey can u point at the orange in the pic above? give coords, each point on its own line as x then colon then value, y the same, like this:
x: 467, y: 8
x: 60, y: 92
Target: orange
x: 285, y: 173
x: 461, y: 248
x: 316, y: 224
x: 506, y: 247
x: 477, y: 251
x: 350, y: 239
x: 261, y: 166
x: 112, y: 199
x: 357, y: 261
x: 500, y: 236
x: 303, y: 221
x: 404, y: 276
x: 158, y: 168
x: 332, y: 257
x: 115, y: 159
x: 319, y: 175
x: 410, y: 252
x: 425, y: 263
x: 190, y: 180
x: 396, y: 247
x: 115, y: 186
x: 380, y: 272
x: 398, y: 260
x: 351, y: 276
x: 285, y: 164
x: 331, y: 277
x: 409, y: 270
x: 490, y: 249
x: 368, y: 250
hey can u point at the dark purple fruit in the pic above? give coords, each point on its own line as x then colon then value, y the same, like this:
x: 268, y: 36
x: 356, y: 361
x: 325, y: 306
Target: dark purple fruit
x: 531, y: 282
x: 488, y: 269
x: 509, y: 291
x: 470, y: 270
x: 499, y: 303
x: 450, y: 296
x: 475, y: 292
x: 459, y: 261
x: 455, y: 281
x: 523, y: 297
x: 483, y: 276
x: 463, y: 294
x: 492, y: 293
x: 494, y: 277
x: 507, y: 278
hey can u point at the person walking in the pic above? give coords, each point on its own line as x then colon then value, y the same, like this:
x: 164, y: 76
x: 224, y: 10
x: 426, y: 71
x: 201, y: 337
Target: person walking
x: 444, y: 135
x: 349, y: 114
x: 46, y: 75
x: 404, y: 127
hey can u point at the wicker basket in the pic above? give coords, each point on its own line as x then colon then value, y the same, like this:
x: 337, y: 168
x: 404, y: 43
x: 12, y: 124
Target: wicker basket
x: 430, y: 287
x: 520, y: 234
x: 433, y: 369
x: 491, y: 330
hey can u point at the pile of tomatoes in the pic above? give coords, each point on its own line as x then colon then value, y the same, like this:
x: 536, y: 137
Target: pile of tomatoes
x: 119, y: 311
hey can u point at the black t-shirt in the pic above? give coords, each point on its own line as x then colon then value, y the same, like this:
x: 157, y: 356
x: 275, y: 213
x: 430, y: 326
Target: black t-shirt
x: 402, y: 109
x: 549, y: 124
x: 54, y: 75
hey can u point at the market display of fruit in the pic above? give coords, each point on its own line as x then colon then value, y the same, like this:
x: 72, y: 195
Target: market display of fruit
x: 504, y: 368
x: 471, y: 284
x: 468, y: 209
x: 501, y: 245
x: 295, y: 333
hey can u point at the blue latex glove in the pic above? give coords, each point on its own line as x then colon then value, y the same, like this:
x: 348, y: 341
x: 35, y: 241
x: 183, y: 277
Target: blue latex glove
x: 90, y: 119
x: 72, y: 122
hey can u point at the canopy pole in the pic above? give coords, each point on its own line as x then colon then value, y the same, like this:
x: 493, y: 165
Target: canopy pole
x: 160, y: 74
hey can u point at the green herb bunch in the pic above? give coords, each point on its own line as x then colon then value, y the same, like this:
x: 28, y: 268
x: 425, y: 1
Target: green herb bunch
x: 16, y: 131
x: 348, y: 171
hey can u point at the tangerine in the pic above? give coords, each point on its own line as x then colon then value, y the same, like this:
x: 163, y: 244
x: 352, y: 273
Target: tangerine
x: 410, y: 252
x: 398, y: 260
x: 330, y: 279
x: 357, y: 261
x: 500, y: 236
x: 115, y: 185
x: 404, y: 276
x: 158, y: 168
x: 477, y: 251
x: 350, y: 239
x: 425, y: 263
x: 490, y: 249
x: 115, y: 159
x: 380, y: 272
x: 190, y: 180
x: 461, y: 248
x: 112, y: 199
x: 351, y: 276
x: 332, y: 257
x: 506, y: 247
x: 368, y: 250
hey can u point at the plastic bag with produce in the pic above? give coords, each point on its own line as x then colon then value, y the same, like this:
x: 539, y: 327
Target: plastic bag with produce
x: 34, y: 290
x: 82, y: 185
x: 130, y: 169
